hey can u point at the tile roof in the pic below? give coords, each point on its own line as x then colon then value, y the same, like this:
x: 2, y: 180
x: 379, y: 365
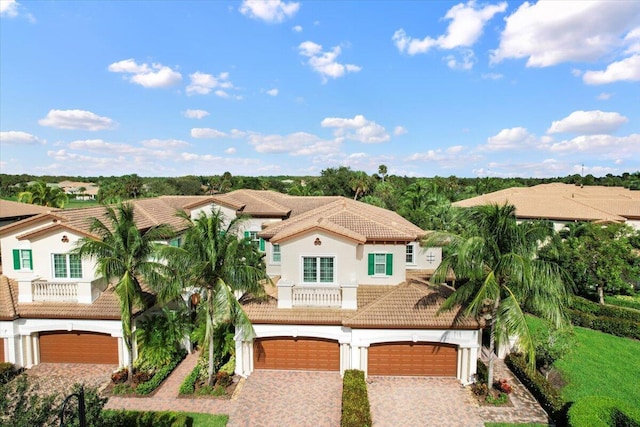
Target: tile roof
x: 11, y: 209
x: 410, y: 305
x: 355, y: 220
x: 557, y: 201
x: 8, y: 298
x: 263, y: 203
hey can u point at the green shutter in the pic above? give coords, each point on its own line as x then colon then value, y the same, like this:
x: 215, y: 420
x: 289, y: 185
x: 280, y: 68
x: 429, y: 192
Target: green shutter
x: 372, y: 266
x: 30, y: 260
x: 389, y: 264
x: 247, y: 234
x: 262, y: 244
x: 16, y: 259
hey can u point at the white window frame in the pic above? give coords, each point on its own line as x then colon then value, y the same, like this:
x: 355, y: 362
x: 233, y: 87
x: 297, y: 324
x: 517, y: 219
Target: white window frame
x: 318, y: 259
x: 411, y: 254
x: 26, y: 263
x: 274, y: 253
x: 67, y: 266
x: 376, y: 264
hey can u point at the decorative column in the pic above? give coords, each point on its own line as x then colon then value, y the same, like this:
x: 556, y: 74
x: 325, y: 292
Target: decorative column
x: 285, y: 297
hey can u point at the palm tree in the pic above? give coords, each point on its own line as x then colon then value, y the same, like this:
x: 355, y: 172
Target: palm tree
x: 125, y: 254
x: 41, y: 194
x: 360, y: 183
x: 216, y: 263
x: 498, y: 276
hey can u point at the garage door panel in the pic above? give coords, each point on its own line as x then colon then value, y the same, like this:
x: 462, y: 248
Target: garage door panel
x: 296, y: 353
x: 2, y: 350
x: 78, y: 347
x: 413, y: 359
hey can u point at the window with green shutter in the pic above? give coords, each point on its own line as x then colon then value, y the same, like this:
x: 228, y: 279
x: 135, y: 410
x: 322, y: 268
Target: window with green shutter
x: 22, y: 259
x: 380, y: 264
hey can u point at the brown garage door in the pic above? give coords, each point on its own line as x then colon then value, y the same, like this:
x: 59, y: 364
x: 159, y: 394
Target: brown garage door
x: 78, y: 347
x: 415, y: 359
x: 2, y: 350
x: 312, y: 354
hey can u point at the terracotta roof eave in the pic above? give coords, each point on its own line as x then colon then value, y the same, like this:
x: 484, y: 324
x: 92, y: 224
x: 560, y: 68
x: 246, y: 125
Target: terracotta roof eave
x: 297, y: 322
x: 72, y: 317
x: 430, y: 327
x: 45, y: 230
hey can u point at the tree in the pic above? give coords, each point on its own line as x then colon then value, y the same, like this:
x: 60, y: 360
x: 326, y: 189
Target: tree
x: 382, y: 171
x: 217, y: 264
x: 41, y: 194
x: 498, y: 277
x: 600, y: 258
x: 127, y: 255
x: 360, y: 184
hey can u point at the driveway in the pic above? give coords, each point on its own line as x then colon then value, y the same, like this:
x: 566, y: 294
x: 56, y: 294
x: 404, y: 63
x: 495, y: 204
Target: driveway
x: 420, y: 401
x: 288, y: 398
x: 59, y: 378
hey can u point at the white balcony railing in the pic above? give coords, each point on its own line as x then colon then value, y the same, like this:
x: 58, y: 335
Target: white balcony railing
x: 54, y: 291
x: 316, y: 297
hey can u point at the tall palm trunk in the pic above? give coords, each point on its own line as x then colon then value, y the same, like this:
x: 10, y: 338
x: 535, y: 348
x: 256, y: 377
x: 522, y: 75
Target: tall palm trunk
x: 211, y: 342
x: 492, y: 342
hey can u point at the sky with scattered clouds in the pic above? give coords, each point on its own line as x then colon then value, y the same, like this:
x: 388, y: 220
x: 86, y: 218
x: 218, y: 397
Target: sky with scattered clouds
x: 273, y: 87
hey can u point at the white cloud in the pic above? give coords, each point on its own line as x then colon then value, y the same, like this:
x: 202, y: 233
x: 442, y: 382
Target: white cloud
x: 356, y: 129
x: 203, y: 84
x: 295, y: 144
x: 164, y: 143
x: 195, y: 114
x: 492, y: 76
x: 604, y: 96
x: 76, y: 119
x: 272, y: 11
x: 273, y: 92
x: 325, y: 63
x: 20, y: 138
x: 207, y: 133
x: 633, y: 40
x: 463, y: 60
x: 588, y: 122
x: 551, y: 32
x: 507, y: 139
x: 466, y: 25
x: 230, y: 150
x: 9, y: 8
x: 399, y: 130
x: 297, y: 28
x: 605, y: 146
x: 627, y: 69
x: 154, y: 75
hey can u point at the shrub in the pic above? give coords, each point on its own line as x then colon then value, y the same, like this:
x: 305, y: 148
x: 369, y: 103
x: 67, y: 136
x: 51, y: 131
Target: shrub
x: 500, y: 399
x: 483, y: 372
x: 223, y: 379
x: 538, y: 385
x: 140, y: 376
x: 590, y: 307
x: 603, y: 411
x: 613, y: 326
x: 189, y: 384
x: 207, y: 390
x: 624, y: 301
x: 355, y: 400
x: 120, y: 376
x: 122, y: 389
x: 503, y: 386
x: 113, y: 418
x: 162, y: 373
x: 8, y: 371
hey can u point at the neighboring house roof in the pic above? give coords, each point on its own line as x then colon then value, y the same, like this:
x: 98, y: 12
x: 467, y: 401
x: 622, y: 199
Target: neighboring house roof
x: 352, y: 219
x: 11, y: 209
x: 271, y: 204
x: 147, y: 213
x: 565, y: 202
x: 410, y: 305
x: 105, y: 307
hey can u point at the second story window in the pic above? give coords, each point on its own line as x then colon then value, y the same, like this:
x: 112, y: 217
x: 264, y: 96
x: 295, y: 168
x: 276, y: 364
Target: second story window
x: 254, y: 239
x: 317, y: 269
x: 67, y: 266
x: 380, y: 264
x: 22, y: 259
x: 410, y: 254
x: 275, y: 254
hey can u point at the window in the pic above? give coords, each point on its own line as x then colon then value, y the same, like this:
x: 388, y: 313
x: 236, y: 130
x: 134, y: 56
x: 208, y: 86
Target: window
x: 256, y: 241
x: 177, y: 242
x: 67, y: 266
x: 410, y: 254
x: 22, y: 259
x: 380, y: 264
x: 275, y: 254
x: 317, y: 269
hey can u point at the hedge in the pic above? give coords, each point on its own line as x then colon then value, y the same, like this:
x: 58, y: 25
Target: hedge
x: 539, y: 386
x: 623, y: 301
x: 8, y: 371
x: 113, y: 418
x: 162, y: 373
x: 188, y: 386
x: 603, y: 411
x: 355, y: 400
x: 609, y: 325
x: 600, y: 310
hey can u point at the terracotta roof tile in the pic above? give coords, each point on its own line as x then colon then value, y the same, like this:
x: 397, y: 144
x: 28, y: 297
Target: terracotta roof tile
x: 11, y: 209
x: 8, y: 297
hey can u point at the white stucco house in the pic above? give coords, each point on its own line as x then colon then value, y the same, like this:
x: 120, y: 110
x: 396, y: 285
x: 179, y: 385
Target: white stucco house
x: 350, y: 289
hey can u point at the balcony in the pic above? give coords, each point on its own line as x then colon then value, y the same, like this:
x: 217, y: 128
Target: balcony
x: 38, y: 290
x: 342, y: 296
x: 54, y: 292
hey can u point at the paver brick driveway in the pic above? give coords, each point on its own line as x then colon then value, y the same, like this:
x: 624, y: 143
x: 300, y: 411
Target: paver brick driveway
x: 419, y: 401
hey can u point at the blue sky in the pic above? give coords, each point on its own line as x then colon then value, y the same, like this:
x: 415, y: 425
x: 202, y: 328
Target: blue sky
x: 172, y: 88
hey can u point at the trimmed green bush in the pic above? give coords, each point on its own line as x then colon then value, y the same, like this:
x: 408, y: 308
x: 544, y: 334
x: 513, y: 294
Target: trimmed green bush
x: 599, y: 310
x: 603, y: 411
x: 355, y: 400
x: 8, y: 371
x: 162, y: 373
x: 113, y: 418
x: 624, y: 301
x: 538, y: 385
x: 188, y: 386
x: 608, y: 325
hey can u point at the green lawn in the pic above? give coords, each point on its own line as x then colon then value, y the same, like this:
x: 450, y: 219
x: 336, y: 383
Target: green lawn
x: 208, y: 420
x: 600, y: 364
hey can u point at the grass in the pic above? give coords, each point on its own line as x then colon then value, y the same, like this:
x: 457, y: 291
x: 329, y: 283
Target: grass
x: 599, y: 365
x: 208, y: 420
